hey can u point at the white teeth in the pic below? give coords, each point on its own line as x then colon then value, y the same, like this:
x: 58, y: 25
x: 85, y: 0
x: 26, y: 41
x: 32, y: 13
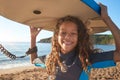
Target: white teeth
x: 67, y: 43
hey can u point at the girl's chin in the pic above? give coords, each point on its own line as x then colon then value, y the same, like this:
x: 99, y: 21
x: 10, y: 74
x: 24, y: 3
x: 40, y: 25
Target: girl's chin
x: 66, y: 51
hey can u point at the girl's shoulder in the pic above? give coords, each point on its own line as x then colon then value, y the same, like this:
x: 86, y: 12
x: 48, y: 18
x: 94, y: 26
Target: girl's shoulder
x: 101, y: 56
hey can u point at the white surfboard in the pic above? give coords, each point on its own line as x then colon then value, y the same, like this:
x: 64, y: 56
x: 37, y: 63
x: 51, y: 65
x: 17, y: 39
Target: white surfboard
x: 44, y: 13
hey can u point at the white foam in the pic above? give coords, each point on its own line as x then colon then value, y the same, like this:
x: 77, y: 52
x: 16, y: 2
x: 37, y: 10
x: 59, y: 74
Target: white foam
x: 5, y: 66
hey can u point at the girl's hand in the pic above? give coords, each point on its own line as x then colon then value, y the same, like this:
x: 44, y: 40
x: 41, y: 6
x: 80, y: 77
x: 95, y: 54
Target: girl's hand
x: 34, y: 31
x: 104, y: 13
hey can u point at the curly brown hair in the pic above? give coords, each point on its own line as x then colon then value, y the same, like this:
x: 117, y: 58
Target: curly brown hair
x: 84, y: 47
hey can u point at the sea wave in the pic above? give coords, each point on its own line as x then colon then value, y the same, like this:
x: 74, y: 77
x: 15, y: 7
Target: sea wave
x: 19, y: 50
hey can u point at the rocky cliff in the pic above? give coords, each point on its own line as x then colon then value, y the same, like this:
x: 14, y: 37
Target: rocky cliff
x: 46, y: 40
x: 97, y: 39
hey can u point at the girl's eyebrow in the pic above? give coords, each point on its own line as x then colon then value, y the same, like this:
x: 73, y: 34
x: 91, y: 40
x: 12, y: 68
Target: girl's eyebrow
x: 62, y: 29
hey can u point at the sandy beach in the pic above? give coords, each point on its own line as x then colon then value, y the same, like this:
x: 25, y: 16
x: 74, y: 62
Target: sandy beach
x: 37, y: 73
x: 23, y: 73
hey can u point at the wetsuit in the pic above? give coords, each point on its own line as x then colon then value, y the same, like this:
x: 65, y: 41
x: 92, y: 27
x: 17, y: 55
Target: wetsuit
x: 75, y: 71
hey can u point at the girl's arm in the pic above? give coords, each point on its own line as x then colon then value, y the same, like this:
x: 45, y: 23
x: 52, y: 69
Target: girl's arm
x: 34, y: 32
x: 114, y: 29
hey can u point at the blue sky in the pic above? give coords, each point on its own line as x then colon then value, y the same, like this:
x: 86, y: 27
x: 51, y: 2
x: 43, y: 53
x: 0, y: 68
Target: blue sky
x: 113, y: 10
x: 15, y: 32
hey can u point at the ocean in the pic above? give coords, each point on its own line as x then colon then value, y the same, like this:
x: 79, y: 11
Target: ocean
x: 19, y: 49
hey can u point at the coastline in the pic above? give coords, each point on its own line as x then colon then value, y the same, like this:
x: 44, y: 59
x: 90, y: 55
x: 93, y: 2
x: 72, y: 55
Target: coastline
x: 16, y: 69
x: 37, y: 73
x: 97, y: 39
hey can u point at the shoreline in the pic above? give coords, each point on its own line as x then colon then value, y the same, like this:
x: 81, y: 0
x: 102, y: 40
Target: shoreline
x: 36, y: 73
x: 16, y: 69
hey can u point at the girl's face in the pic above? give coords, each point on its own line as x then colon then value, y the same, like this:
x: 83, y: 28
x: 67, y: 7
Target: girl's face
x: 67, y: 36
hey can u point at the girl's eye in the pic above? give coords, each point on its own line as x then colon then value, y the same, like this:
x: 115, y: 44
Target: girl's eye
x: 73, y: 33
x: 70, y: 34
x: 63, y: 33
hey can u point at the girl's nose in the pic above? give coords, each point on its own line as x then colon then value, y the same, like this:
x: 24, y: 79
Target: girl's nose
x: 68, y: 36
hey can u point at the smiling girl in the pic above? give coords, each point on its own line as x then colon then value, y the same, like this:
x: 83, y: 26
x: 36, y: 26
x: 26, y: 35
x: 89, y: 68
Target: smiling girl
x: 72, y: 55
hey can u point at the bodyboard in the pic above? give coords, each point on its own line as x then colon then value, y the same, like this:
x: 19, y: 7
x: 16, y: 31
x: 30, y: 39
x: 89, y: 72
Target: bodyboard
x: 45, y: 13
